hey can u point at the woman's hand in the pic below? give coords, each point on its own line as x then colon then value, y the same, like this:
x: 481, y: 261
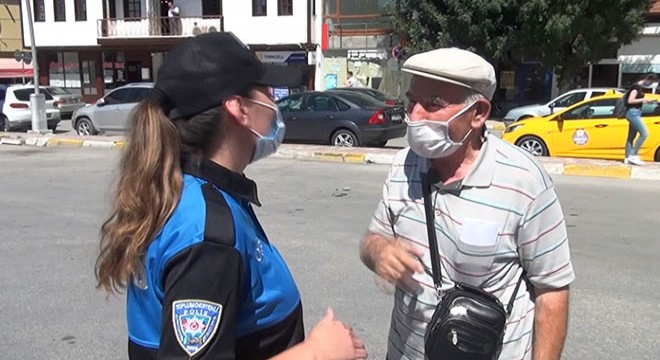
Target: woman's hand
x: 331, y: 339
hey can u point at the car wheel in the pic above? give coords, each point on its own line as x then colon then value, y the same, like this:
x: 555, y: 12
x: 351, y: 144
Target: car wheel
x: 533, y: 145
x: 4, y: 124
x: 657, y: 155
x: 84, y: 127
x: 344, y: 138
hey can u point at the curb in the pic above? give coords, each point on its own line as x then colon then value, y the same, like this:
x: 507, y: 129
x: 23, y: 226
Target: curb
x: 551, y: 165
x: 570, y: 167
x: 50, y: 141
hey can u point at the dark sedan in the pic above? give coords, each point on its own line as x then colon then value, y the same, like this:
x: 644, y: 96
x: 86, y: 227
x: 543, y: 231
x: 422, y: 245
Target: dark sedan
x: 341, y: 118
x: 379, y: 95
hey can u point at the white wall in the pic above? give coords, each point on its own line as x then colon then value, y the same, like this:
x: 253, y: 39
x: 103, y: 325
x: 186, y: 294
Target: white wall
x: 646, y: 45
x: 270, y: 29
x: 64, y: 33
x: 192, y: 8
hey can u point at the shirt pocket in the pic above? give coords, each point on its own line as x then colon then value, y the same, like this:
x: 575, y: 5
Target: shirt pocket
x: 477, y: 244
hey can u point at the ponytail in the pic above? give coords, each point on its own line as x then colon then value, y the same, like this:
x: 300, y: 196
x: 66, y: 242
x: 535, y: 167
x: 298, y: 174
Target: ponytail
x: 147, y: 193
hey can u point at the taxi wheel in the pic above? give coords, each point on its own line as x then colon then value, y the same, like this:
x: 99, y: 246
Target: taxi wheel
x: 657, y: 155
x: 534, y: 145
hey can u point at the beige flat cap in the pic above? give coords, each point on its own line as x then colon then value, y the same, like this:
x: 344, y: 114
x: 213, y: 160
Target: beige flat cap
x: 455, y: 66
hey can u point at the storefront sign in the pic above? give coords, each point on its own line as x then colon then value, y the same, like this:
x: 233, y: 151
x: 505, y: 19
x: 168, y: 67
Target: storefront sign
x: 289, y: 57
x: 507, y: 79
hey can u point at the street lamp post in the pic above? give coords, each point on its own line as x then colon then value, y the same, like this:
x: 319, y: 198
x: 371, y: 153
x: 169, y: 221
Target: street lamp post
x: 37, y: 100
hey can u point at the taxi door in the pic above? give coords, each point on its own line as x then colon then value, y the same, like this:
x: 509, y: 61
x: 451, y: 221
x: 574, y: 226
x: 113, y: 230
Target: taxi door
x: 590, y: 130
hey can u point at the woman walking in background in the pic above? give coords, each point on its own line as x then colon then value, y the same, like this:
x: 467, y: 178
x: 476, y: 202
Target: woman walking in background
x: 634, y: 116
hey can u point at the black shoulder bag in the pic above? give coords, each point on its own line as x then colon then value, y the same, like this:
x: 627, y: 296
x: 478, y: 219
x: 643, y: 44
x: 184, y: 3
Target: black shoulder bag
x: 468, y: 323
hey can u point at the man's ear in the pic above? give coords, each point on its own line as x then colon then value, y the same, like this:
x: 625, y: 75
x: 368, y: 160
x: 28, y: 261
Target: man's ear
x: 237, y: 110
x: 482, y: 112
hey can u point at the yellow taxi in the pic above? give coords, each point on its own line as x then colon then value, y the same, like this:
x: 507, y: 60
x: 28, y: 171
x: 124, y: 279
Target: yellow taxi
x: 587, y: 129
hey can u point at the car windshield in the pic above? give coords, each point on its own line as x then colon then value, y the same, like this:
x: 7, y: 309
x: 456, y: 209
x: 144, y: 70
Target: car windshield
x: 54, y: 90
x: 360, y: 100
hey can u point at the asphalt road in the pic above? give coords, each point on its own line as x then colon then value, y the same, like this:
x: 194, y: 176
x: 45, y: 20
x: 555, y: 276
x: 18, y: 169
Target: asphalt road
x: 53, y: 200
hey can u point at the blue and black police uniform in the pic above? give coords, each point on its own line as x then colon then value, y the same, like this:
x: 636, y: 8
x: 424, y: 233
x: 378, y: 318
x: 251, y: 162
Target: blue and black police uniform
x: 213, y: 286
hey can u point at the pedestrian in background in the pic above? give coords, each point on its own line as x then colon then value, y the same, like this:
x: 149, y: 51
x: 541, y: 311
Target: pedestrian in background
x: 635, y: 100
x: 351, y: 80
x: 173, y: 17
x: 203, y: 280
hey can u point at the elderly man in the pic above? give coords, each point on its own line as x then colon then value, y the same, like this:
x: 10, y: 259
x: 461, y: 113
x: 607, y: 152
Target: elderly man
x: 497, y: 216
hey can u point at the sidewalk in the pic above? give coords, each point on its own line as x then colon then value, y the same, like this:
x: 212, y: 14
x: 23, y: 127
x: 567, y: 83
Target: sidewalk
x: 554, y: 166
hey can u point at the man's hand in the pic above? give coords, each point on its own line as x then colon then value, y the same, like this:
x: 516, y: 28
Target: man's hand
x: 550, y: 323
x: 392, y: 259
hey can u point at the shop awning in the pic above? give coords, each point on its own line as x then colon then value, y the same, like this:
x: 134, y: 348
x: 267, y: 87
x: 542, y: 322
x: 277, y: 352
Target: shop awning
x: 10, y: 68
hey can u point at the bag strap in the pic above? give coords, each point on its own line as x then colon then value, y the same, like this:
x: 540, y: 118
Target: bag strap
x: 436, y: 265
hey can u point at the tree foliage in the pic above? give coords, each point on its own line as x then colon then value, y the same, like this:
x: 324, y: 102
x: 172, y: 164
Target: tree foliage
x: 566, y: 35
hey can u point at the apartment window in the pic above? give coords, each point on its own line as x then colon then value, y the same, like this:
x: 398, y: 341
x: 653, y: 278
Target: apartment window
x: 212, y: 7
x: 60, y: 10
x: 258, y: 7
x: 284, y: 7
x: 132, y: 9
x: 39, y: 10
x: 81, y: 10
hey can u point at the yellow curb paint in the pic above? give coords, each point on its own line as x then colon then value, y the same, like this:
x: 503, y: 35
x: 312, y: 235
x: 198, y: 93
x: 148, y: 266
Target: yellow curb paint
x: 64, y: 142
x: 329, y: 157
x: 355, y: 158
x: 617, y: 172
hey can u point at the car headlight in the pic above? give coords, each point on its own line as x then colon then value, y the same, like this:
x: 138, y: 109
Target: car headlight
x: 512, y: 128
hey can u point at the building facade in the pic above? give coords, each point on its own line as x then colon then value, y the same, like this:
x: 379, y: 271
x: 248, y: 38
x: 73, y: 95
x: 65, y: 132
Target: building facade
x: 358, y: 36
x: 11, y: 70
x: 92, y: 46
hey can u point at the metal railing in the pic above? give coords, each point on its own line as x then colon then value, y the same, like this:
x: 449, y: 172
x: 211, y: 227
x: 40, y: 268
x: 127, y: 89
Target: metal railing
x: 358, y: 31
x: 180, y: 26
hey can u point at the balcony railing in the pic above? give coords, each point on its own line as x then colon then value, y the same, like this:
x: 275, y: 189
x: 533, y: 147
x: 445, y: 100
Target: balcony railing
x: 158, y: 27
x: 359, y: 31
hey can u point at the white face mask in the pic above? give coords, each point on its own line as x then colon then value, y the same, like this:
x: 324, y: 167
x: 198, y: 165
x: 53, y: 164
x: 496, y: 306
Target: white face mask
x: 268, y: 144
x: 430, y: 139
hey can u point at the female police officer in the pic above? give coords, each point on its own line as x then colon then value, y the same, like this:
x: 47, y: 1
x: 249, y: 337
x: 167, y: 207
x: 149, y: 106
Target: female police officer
x: 203, y: 280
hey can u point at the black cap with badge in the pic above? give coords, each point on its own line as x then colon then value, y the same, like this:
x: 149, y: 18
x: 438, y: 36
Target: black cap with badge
x: 203, y: 71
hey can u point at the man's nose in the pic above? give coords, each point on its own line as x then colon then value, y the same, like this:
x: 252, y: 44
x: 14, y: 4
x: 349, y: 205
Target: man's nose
x: 416, y: 112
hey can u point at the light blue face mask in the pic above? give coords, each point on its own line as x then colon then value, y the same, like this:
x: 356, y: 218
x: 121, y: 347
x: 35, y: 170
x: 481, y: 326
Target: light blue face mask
x: 268, y: 144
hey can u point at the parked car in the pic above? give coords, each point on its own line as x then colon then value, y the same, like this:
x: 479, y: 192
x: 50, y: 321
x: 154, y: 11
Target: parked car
x: 587, y: 129
x: 65, y: 101
x: 341, y: 118
x: 557, y: 104
x: 111, y: 112
x: 379, y: 95
x: 15, y: 111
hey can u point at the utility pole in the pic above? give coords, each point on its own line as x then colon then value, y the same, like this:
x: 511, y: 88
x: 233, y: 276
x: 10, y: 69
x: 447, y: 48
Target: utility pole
x: 37, y: 100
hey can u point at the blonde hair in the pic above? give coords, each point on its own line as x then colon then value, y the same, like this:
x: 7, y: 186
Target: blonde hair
x: 149, y: 186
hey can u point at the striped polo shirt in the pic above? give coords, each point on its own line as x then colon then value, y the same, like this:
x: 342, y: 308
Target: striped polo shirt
x: 502, y: 217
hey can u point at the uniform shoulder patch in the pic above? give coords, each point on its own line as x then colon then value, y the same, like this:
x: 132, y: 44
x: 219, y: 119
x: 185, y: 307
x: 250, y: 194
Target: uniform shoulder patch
x: 195, y: 323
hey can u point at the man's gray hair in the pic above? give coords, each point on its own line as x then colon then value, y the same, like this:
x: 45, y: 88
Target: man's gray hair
x: 471, y: 96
